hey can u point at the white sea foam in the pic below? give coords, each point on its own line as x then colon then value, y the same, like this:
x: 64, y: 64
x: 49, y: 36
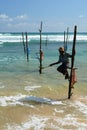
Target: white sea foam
x: 70, y: 37
x: 13, y: 100
x: 10, y: 38
x: 56, y: 102
x: 59, y: 111
x: 71, y: 120
x: 31, y: 88
x: 37, y: 122
x: 24, y: 100
x: 81, y: 106
x: 52, y: 37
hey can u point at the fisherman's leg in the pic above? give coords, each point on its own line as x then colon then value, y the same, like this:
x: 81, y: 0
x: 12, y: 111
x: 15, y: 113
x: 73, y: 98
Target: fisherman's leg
x: 67, y: 75
x: 60, y: 69
x: 66, y: 72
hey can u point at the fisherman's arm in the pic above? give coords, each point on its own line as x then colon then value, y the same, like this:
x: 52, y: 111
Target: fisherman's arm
x: 54, y: 63
x: 69, y: 55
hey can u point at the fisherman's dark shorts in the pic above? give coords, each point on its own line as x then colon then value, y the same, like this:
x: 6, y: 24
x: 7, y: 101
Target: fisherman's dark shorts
x: 62, y: 68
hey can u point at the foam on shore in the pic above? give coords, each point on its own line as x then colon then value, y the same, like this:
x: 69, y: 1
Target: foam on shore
x: 37, y: 122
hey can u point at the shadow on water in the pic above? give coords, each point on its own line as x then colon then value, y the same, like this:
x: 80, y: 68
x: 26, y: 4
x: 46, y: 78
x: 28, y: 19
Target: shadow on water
x: 39, y: 100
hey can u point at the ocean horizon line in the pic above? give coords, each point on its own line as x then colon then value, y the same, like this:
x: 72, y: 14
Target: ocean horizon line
x: 49, y: 32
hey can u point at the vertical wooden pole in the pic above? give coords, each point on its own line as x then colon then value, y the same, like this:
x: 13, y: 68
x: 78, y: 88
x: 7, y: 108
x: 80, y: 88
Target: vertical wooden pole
x: 27, y: 47
x: 72, y: 62
x: 23, y: 42
x: 64, y: 42
x: 67, y: 38
x: 40, y: 48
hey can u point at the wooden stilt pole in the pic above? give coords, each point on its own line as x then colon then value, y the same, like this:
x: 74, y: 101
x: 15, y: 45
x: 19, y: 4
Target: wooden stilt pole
x: 72, y: 62
x: 23, y: 42
x: 27, y: 47
x: 40, y: 48
x: 67, y: 38
x: 64, y: 42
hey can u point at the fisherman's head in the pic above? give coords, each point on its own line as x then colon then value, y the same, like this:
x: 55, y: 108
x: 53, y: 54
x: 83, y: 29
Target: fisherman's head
x: 61, y: 49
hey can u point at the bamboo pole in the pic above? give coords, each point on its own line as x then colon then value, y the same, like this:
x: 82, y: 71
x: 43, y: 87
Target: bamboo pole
x: 27, y: 47
x: 64, y: 42
x: 40, y: 70
x: 72, y: 62
x: 67, y: 37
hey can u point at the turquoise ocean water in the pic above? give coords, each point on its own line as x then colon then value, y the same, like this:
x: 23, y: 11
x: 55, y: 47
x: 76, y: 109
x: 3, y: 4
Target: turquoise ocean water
x: 33, y: 101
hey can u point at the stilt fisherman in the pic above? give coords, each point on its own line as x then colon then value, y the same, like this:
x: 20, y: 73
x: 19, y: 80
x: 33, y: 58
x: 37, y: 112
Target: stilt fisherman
x: 64, y: 60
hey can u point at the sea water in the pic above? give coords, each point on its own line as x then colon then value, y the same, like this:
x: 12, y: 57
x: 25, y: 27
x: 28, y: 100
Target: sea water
x: 33, y: 101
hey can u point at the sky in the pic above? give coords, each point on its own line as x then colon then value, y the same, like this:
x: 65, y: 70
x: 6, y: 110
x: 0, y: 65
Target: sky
x: 56, y: 15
